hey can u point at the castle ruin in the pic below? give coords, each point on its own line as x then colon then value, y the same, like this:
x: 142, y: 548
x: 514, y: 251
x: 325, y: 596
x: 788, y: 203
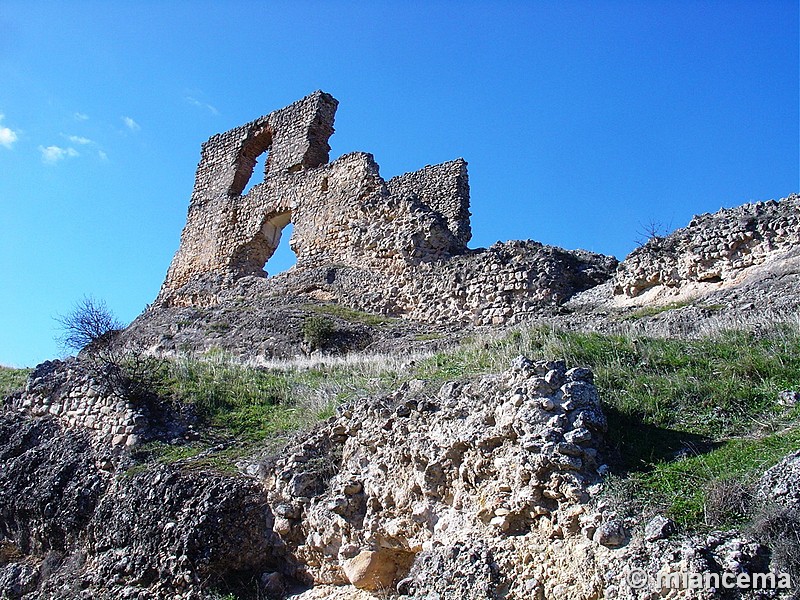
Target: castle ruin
x: 396, y: 247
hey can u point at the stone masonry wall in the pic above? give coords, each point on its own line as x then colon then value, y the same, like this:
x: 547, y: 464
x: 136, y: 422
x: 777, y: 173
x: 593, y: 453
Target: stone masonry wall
x: 343, y: 212
x: 408, y: 236
x: 714, y: 248
x: 445, y: 189
x: 68, y: 392
x: 502, y: 284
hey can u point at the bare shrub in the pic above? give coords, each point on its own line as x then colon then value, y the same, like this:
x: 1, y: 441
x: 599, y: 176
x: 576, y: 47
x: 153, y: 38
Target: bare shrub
x: 92, y: 329
x: 651, y: 231
x: 727, y: 501
x: 90, y: 323
x: 778, y: 528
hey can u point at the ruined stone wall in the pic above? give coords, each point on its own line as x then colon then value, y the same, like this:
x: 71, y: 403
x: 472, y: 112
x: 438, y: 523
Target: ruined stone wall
x: 500, y: 285
x: 221, y: 227
x: 713, y: 248
x: 404, y: 241
x: 444, y: 188
x: 343, y: 212
x: 68, y: 392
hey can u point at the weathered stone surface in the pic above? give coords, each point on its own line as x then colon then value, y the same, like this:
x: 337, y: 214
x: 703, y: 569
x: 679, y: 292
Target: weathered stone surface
x: 396, y: 247
x: 378, y: 569
x: 659, y: 528
x: 49, y: 482
x: 714, y: 248
x: 781, y: 484
x: 471, y: 462
x: 71, y: 528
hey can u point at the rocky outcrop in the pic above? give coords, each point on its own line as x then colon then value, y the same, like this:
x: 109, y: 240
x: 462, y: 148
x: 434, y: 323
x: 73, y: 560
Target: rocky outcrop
x: 80, y: 397
x: 74, y: 523
x: 714, y: 249
x: 481, y: 488
x: 50, y: 483
x: 391, y: 478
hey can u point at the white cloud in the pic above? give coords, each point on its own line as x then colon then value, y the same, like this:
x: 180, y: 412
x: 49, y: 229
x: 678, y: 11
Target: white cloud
x: 102, y: 155
x: 76, y: 139
x: 79, y: 116
x: 7, y: 136
x: 131, y: 124
x: 195, y: 102
x: 53, y: 154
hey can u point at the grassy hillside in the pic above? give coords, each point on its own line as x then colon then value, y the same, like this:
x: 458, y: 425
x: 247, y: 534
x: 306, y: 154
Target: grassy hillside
x: 12, y: 380
x: 691, y: 421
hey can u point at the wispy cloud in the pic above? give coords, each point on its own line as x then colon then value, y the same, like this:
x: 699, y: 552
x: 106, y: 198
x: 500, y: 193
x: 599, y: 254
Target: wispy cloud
x: 131, y: 124
x: 205, y: 105
x: 79, y: 116
x: 77, y: 139
x: 7, y: 136
x: 53, y: 154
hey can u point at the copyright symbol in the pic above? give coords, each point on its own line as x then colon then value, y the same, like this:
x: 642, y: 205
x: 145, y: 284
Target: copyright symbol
x: 637, y: 579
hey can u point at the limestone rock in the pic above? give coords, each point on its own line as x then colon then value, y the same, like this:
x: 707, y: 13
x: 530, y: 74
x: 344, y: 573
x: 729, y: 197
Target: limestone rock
x: 659, y: 528
x: 377, y: 569
x: 781, y: 484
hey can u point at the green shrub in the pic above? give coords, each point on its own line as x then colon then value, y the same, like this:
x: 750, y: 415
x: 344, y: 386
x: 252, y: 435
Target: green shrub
x: 317, y: 331
x: 349, y: 314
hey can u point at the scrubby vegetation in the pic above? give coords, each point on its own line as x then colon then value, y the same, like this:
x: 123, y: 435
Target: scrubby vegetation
x: 317, y: 331
x: 348, y: 314
x: 693, y: 422
x: 687, y: 417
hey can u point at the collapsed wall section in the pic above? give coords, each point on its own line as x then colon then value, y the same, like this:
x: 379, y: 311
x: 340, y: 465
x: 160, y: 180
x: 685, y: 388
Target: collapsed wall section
x: 68, y: 391
x: 713, y: 249
x: 444, y: 188
x: 502, y: 284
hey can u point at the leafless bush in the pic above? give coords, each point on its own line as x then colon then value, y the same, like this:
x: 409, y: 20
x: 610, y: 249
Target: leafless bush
x: 92, y: 330
x: 651, y: 231
x: 90, y: 323
x: 727, y: 501
x: 778, y: 528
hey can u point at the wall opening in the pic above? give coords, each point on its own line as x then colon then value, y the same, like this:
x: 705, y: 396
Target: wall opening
x: 259, y: 171
x: 252, y: 257
x: 282, y: 258
x: 255, y: 149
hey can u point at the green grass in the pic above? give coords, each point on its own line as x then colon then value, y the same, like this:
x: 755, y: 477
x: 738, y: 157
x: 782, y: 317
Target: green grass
x: 427, y: 337
x: 685, y: 487
x: 685, y: 416
x: 255, y: 403
x: 712, y: 399
x: 651, y: 311
x: 203, y: 454
x: 12, y: 380
x: 717, y: 386
x: 349, y: 314
x: 244, y: 401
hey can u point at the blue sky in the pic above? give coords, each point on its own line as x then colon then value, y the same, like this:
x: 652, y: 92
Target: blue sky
x: 581, y: 121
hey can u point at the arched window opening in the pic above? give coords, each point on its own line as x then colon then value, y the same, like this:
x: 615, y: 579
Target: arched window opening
x: 282, y: 258
x: 251, y: 258
x: 254, y: 152
x: 276, y: 232
x: 258, y: 173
